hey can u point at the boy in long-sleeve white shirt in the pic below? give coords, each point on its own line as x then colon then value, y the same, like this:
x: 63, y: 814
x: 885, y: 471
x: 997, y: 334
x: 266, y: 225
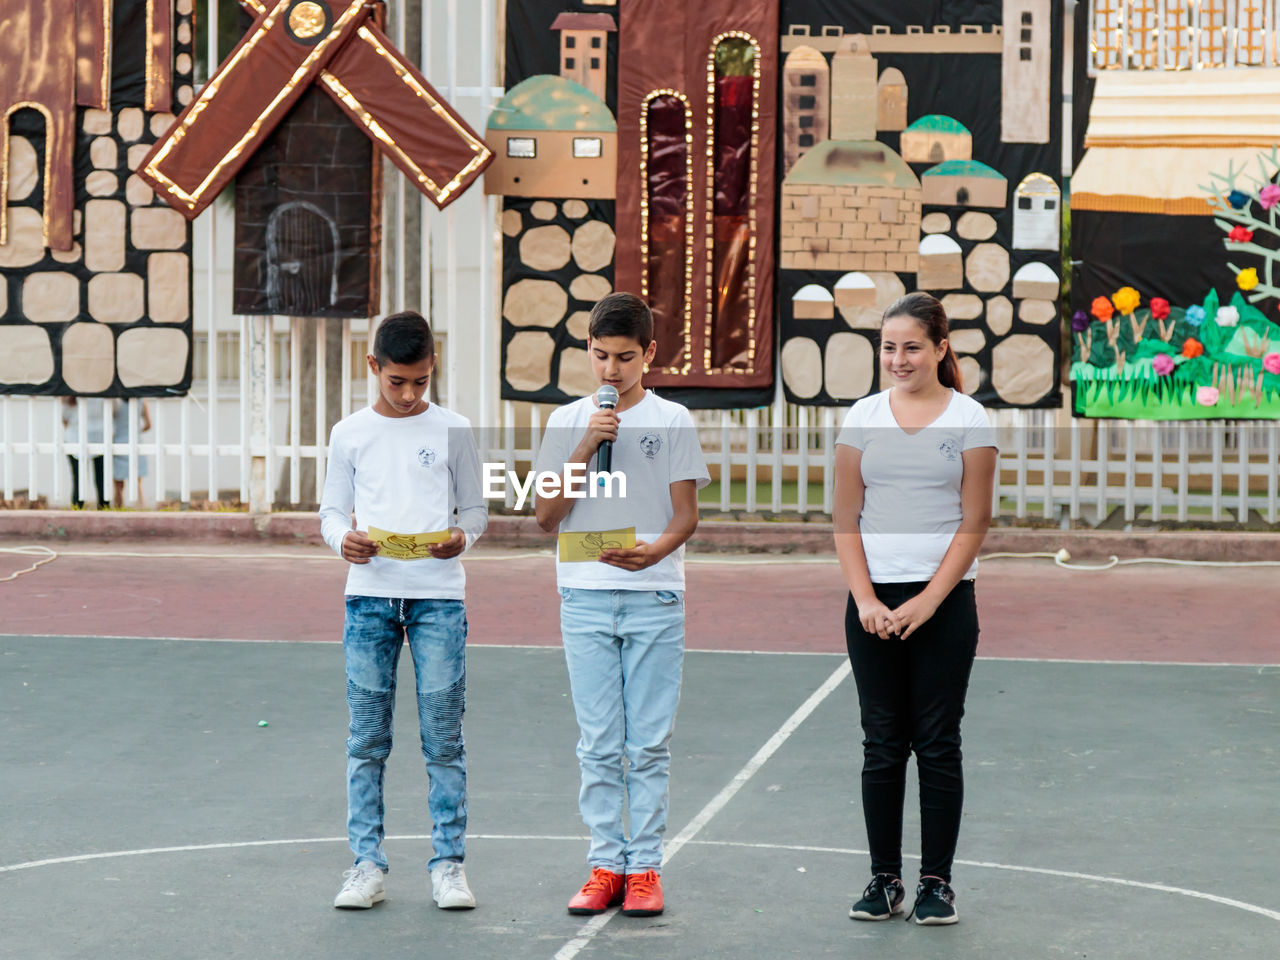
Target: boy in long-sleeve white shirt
x: 405, y: 467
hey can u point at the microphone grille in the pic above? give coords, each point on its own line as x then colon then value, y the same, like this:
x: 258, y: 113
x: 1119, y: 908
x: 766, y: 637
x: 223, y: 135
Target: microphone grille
x: 607, y: 395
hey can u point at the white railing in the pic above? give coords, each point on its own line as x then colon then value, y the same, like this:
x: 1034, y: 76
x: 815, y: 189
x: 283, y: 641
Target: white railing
x: 778, y: 459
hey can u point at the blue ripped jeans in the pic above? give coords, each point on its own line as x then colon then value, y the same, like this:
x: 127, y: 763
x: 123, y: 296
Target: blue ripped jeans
x: 372, y: 638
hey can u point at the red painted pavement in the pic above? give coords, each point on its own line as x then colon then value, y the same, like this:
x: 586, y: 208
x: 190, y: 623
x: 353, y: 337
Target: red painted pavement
x: 1027, y: 608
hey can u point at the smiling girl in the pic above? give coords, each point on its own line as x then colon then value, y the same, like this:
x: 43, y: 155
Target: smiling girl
x: 914, y: 470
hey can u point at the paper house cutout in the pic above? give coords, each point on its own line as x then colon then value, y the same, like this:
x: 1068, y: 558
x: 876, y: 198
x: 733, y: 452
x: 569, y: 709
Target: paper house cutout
x: 853, y: 92
x: 1035, y: 281
x: 964, y: 183
x: 806, y: 101
x: 813, y: 302
x: 1037, y: 214
x: 935, y: 138
x: 855, y: 290
x: 941, y: 266
x: 584, y: 46
x: 891, y: 100
x: 1024, y: 71
x: 850, y: 205
x: 552, y: 138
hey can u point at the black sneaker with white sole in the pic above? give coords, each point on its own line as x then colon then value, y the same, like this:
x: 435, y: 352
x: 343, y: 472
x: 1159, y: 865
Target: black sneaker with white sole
x: 935, y: 902
x: 883, y: 898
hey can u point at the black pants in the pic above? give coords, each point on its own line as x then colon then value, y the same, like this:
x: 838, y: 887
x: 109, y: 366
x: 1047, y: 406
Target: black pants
x: 911, y: 694
x: 76, y: 500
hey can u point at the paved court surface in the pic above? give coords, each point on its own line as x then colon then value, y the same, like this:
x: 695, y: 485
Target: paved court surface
x: 1114, y: 810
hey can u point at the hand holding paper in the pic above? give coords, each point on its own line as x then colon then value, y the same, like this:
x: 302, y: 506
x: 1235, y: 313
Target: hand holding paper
x: 586, y: 546
x: 409, y: 546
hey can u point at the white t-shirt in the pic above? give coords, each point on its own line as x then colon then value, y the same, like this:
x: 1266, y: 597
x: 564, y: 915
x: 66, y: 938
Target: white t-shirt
x: 404, y: 475
x: 657, y: 446
x: 911, y: 509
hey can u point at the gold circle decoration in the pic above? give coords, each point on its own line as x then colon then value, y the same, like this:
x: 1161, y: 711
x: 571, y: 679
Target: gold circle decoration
x: 307, y: 20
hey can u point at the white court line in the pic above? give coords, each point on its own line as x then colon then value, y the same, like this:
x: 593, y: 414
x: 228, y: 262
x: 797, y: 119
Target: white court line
x: 719, y: 801
x: 1043, y: 871
x: 799, y: 848
x: 555, y: 645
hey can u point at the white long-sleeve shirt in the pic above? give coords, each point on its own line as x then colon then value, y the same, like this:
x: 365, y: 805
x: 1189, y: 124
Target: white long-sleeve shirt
x: 404, y: 475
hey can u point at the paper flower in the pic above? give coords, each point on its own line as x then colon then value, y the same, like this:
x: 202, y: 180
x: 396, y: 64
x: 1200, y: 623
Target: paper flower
x: 1207, y: 396
x: 1240, y: 234
x: 1194, y: 315
x: 1159, y: 308
x: 1192, y: 348
x: 1227, y: 316
x: 1101, y: 308
x: 1126, y: 300
x: 1269, y: 196
x: 1162, y: 364
x: 1237, y: 199
x: 1079, y: 321
x: 1247, y: 279
x: 1271, y: 363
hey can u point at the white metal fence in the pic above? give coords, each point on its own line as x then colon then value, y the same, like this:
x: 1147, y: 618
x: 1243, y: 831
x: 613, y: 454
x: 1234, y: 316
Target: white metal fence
x: 233, y: 435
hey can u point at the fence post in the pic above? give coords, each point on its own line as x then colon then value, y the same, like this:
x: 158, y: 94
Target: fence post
x: 260, y: 493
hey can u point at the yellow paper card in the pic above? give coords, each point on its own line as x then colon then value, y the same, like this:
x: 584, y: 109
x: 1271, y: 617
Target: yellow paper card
x: 584, y: 546
x: 406, y: 546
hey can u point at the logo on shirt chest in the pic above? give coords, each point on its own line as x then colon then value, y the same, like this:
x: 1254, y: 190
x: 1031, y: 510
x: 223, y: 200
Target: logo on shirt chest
x: 650, y: 444
x: 949, y: 449
x: 426, y: 456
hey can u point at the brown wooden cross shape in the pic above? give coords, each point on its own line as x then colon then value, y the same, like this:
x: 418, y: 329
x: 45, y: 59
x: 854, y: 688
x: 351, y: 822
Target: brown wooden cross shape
x: 292, y: 44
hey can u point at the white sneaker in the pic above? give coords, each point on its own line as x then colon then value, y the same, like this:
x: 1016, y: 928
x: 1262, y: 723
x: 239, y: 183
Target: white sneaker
x: 449, y: 887
x: 362, y: 887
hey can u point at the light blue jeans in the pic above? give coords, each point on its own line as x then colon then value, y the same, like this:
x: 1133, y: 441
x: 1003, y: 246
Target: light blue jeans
x: 625, y: 651
x: 374, y: 633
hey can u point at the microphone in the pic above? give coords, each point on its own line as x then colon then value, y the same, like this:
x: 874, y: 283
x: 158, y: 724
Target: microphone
x: 606, y: 399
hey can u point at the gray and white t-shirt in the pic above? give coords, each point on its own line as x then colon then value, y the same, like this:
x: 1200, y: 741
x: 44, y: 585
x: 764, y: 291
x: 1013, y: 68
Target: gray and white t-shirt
x: 657, y: 446
x: 911, y: 508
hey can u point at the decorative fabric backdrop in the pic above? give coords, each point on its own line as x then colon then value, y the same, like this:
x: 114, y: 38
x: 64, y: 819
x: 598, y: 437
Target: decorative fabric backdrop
x: 1174, y: 239
x: 802, y: 162
x: 680, y: 194
x: 95, y: 272
x: 922, y: 151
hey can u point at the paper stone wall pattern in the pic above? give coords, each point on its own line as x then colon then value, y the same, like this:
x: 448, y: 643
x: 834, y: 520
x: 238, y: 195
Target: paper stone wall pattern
x: 927, y: 201
x: 95, y: 272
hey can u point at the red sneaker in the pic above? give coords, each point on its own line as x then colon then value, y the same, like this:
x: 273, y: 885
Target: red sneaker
x: 644, y: 895
x: 598, y: 894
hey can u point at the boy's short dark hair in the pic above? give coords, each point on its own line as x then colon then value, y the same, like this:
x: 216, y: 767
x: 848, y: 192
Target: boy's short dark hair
x: 622, y: 315
x: 403, y: 338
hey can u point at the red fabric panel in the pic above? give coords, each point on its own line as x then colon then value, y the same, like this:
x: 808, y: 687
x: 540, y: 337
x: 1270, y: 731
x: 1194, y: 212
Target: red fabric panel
x: 647, y: 30
x: 93, y: 52
x: 159, y: 47
x: 38, y: 50
x: 199, y: 157
x: 426, y: 133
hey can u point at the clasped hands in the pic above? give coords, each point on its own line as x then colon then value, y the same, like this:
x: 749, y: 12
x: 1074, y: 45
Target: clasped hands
x: 900, y: 622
